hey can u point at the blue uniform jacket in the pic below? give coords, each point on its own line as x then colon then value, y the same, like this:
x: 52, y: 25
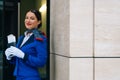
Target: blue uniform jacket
x: 35, y: 56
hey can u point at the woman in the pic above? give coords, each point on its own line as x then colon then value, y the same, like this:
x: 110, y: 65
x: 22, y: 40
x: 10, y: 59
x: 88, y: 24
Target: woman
x: 30, y: 52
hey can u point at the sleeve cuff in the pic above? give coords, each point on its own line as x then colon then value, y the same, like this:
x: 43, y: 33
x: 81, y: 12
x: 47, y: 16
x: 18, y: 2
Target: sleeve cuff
x: 26, y: 57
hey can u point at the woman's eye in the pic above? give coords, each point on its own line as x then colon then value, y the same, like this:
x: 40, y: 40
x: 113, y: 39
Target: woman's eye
x: 32, y: 18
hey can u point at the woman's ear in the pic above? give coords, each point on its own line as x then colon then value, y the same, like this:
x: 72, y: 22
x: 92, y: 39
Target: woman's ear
x: 39, y: 22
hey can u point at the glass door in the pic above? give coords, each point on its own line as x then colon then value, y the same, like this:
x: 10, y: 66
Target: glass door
x: 8, y: 25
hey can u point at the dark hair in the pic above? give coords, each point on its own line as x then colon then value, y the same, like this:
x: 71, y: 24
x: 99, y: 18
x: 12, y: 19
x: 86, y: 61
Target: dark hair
x: 38, y: 16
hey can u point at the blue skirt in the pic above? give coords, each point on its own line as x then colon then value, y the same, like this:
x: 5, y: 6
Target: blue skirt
x: 28, y: 78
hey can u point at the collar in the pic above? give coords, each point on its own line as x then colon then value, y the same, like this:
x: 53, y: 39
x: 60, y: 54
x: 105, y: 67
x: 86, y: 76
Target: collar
x: 27, y: 34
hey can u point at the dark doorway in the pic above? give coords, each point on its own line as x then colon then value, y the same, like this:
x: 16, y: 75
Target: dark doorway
x: 8, y: 25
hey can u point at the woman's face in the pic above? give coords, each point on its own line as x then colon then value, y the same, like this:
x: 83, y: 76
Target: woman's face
x: 31, y: 20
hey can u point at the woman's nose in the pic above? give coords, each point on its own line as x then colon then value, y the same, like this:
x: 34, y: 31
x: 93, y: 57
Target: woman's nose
x: 27, y: 20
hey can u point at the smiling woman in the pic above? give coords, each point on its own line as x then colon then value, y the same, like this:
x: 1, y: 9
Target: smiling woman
x: 16, y: 13
x: 33, y: 19
x: 17, y: 18
x: 30, y: 52
x: 37, y: 4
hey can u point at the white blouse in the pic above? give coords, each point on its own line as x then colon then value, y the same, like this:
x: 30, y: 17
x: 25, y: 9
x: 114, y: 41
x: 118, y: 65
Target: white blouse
x: 27, y: 36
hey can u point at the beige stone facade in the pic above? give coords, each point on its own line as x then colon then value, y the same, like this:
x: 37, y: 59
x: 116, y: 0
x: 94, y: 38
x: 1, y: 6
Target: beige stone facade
x: 85, y: 39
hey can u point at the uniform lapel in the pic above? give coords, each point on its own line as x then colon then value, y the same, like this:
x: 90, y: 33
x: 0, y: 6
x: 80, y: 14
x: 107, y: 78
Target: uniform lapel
x: 20, y: 41
x: 30, y: 40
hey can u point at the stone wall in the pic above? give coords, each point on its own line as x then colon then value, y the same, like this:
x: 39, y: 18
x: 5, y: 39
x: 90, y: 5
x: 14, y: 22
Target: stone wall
x: 85, y: 40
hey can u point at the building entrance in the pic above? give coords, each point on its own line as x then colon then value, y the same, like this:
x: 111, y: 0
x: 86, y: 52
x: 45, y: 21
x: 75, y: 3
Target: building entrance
x: 9, y: 24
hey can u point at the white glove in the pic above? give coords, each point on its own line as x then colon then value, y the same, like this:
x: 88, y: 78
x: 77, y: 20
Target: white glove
x: 8, y: 54
x: 16, y: 52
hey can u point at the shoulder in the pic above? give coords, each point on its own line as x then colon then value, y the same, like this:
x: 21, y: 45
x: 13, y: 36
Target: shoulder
x: 42, y: 36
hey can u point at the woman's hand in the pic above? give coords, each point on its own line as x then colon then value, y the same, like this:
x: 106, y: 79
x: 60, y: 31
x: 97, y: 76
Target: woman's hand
x: 8, y: 54
x: 13, y: 51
